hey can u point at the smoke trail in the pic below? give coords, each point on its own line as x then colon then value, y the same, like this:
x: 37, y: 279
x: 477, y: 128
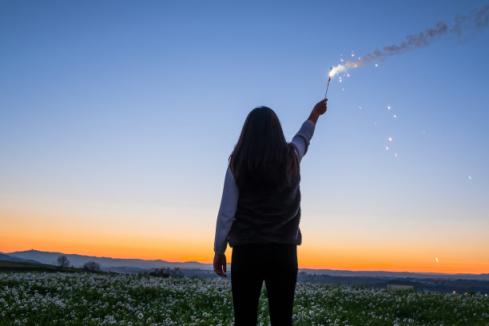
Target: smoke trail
x: 476, y: 20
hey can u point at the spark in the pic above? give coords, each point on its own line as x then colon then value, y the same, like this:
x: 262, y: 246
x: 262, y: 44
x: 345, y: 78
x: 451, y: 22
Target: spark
x: 469, y: 177
x: 387, y: 148
x: 342, y: 68
x: 477, y: 19
x: 376, y: 65
x: 388, y: 107
x: 390, y: 139
x: 396, y: 155
x: 394, y: 116
x: 436, y: 260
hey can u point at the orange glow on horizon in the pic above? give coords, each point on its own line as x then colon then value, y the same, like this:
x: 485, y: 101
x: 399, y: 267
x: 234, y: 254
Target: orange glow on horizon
x: 20, y: 233
x: 180, y: 252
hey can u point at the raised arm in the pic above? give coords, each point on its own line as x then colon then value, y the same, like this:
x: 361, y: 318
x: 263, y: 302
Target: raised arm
x: 303, y: 137
x: 225, y: 219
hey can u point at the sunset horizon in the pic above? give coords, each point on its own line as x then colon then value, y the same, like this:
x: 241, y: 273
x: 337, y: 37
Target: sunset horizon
x: 117, y: 122
x: 342, y: 263
x: 277, y: 163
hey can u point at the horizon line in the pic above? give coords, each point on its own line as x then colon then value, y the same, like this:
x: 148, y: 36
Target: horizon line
x: 210, y: 263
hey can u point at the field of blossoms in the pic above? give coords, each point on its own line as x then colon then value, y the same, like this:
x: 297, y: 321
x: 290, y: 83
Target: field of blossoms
x: 39, y: 298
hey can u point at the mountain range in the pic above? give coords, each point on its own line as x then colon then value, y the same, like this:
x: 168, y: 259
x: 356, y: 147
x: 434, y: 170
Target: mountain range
x: 106, y: 263
x: 131, y: 265
x: 11, y: 258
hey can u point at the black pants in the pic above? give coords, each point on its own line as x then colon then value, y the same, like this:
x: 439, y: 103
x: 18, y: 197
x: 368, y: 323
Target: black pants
x: 251, y: 264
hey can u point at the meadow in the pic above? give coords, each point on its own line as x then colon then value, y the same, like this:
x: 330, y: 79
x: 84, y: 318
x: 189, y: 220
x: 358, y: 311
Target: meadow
x: 78, y: 298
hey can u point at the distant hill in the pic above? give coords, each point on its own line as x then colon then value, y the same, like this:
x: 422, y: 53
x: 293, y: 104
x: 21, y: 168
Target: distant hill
x: 25, y: 267
x: 8, y: 263
x: 4, y: 257
x: 106, y: 263
x: 122, y: 265
x: 384, y: 274
x: 8, y: 258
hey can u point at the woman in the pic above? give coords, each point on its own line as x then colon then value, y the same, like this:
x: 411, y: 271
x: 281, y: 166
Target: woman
x: 259, y: 215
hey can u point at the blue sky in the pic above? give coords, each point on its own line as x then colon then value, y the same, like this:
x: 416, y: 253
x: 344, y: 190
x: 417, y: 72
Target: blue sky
x: 130, y: 109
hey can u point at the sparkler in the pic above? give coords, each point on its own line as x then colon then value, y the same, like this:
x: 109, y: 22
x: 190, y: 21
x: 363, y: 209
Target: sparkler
x: 477, y: 19
x: 327, y: 87
x: 331, y: 73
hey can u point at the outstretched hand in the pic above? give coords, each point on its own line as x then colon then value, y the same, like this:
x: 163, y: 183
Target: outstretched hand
x: 319, y: 109
x: 220, y: 264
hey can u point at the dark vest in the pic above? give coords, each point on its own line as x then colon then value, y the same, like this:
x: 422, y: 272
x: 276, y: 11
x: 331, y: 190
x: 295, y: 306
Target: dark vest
x: 267, y: 216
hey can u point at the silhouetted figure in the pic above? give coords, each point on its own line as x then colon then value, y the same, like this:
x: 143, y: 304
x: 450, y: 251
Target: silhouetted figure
x: 259, y: 215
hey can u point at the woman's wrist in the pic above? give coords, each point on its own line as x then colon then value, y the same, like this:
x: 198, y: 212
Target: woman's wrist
x: 319, y: 109
x: 313, y: 117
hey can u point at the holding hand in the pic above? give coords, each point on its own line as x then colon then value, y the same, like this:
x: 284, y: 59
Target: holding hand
x: 319, y: 109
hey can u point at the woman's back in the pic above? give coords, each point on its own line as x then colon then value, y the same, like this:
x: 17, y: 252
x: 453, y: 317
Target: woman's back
x: 267, y: 215
x: 260, y: 213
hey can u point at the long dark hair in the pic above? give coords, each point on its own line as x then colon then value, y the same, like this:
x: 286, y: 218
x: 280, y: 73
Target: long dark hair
x: 262, y: 158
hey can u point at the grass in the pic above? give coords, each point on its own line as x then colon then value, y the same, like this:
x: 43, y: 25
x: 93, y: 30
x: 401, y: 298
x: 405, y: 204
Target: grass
x: 77, y: 298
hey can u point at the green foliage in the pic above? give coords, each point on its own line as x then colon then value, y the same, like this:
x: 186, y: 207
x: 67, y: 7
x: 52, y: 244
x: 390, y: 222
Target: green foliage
x: 110, y: 299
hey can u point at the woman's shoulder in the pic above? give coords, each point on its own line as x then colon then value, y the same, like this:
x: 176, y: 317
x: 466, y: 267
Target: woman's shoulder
x: 293, y: 150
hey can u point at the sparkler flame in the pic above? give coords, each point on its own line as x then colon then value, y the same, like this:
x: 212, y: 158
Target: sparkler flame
x: 476, y: 20
x: 343, y: 67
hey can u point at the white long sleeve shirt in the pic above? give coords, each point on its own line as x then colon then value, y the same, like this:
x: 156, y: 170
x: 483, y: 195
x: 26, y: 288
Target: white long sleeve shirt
x: 230, y: 194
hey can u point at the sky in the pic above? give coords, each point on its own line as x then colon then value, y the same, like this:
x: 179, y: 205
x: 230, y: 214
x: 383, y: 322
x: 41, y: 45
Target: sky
x: 117, y: 119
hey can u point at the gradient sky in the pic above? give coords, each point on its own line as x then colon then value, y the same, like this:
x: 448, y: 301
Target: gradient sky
x: 117, y: 118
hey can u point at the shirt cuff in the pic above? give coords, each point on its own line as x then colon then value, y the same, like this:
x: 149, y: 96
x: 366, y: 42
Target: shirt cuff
x: 219, y: 251
x: 307, y: 130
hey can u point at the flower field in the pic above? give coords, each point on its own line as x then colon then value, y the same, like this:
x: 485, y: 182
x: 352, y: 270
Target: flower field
x: 40, y: 298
